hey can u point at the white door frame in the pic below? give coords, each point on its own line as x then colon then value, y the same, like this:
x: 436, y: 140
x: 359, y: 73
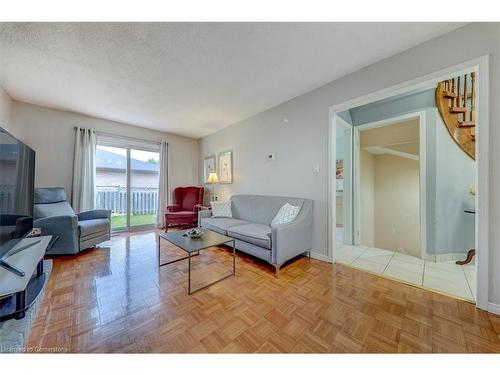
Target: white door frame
x: 420, y: 115
x: 481, y: 66
x: 347, y: 223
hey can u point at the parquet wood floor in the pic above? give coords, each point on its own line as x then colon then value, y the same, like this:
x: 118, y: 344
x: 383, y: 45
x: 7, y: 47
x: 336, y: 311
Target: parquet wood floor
x: 115, y: 299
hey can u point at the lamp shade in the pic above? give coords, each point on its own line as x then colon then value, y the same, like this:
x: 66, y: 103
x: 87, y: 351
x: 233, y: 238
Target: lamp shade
x: 212, y: 178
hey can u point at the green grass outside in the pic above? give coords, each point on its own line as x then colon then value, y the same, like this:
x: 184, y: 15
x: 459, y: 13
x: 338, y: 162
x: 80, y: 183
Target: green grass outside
x: 135, y: 220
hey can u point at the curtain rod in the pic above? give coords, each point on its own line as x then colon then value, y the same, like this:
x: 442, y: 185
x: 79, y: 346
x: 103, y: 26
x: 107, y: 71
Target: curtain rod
x: 98, y: 132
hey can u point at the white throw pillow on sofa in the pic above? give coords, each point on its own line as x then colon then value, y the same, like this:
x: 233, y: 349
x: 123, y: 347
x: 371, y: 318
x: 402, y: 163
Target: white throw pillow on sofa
x: 286, y: 214
x: 221, y: 209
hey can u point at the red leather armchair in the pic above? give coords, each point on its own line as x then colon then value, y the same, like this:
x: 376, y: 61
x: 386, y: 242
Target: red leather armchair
x: 187, y: 202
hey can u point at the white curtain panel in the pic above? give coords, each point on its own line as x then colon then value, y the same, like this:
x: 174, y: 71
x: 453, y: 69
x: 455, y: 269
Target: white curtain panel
x: 83, y: 197
x: 163, y: 188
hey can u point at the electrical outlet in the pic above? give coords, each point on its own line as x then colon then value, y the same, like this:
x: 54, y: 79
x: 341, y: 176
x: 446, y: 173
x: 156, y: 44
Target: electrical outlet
x: 316, y: 168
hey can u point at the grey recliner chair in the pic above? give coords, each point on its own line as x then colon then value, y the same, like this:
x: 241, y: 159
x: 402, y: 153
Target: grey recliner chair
x: 74, y: 232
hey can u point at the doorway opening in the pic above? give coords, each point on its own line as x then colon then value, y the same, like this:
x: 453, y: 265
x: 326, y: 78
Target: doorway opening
x: 405, y: 189
x: 388, y: 164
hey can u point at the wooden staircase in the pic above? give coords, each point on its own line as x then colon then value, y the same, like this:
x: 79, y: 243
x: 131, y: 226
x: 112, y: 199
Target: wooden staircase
x: 456, y: 102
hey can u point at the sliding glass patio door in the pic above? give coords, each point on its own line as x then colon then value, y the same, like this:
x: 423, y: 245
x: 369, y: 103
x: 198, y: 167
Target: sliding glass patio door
x: 112, y: 183
x: 127, y: 179
x: 144, y: 180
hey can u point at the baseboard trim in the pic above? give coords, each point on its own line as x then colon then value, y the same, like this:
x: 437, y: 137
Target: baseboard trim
x: 494, y: 308
x: 445, y: 257
x: 321, y: 257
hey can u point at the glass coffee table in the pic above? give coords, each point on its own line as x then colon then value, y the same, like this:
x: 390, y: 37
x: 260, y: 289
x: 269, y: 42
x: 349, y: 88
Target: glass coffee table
x: 193, y: 247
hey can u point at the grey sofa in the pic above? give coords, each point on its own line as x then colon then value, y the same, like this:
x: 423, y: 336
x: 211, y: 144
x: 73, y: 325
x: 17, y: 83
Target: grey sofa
x: 251, y: 227
x: 74, y: 232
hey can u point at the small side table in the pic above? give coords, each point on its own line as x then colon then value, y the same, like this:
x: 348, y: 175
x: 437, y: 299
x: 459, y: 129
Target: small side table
x: 17, y: 293
x: 472, y: 252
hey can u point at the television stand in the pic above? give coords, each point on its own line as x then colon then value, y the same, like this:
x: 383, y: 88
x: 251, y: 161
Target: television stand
x: 17, y: 293
x: 9, y: 267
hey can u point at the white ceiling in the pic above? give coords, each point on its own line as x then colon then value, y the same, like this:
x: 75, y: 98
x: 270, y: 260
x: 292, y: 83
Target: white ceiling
x: 189, y: 78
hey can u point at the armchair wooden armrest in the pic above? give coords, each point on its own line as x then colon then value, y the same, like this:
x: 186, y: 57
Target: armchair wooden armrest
x: 199, y: 207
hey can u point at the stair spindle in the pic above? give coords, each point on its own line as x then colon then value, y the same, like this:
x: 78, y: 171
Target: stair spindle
x: 458, y: 92
x: 473, y: 98
x: 453, y: 90
x: 465, y: 115
x: 450, y: 89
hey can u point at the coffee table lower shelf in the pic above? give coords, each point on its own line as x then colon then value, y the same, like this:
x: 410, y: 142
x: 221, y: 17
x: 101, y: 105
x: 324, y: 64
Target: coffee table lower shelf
x: 202, y: 245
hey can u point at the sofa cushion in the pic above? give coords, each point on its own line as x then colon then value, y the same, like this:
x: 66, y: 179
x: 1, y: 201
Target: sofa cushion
x: 91, y: 227
x: 257, y: 234
x: 260, y: 208
x: 286, y: 214
x: 221, y: 224
x: 52, y: 209
x: 221, y: 209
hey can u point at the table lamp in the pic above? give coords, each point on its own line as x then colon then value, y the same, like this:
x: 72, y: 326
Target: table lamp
x: 212, y: 180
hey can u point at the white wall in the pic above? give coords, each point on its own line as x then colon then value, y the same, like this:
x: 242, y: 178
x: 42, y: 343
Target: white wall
x: 454, y: 174
x: 397, y: 204
x: 390, y: 190
x: 302, y: 141
x: 51, y: 134
x: 5, y: 110
x: 299, y: 144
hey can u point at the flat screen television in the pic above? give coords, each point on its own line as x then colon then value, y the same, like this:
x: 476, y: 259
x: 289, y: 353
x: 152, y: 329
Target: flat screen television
x: 17, y: 184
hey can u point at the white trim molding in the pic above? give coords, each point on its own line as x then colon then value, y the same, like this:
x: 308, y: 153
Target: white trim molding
x: 494, y: 308
x: 332, y: 185
x: 482, y: 184
x: 446, y: 257
x: 322, y: 257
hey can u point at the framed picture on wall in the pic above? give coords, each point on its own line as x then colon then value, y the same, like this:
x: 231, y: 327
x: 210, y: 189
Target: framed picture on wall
x: 226, y: 167
x: 208, y: 167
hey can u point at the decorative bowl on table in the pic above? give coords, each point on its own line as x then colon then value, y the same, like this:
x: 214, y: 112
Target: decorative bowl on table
x: 194, y: 233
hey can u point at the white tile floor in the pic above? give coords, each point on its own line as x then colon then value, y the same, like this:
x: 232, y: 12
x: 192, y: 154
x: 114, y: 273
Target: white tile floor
x: 444, y: 277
